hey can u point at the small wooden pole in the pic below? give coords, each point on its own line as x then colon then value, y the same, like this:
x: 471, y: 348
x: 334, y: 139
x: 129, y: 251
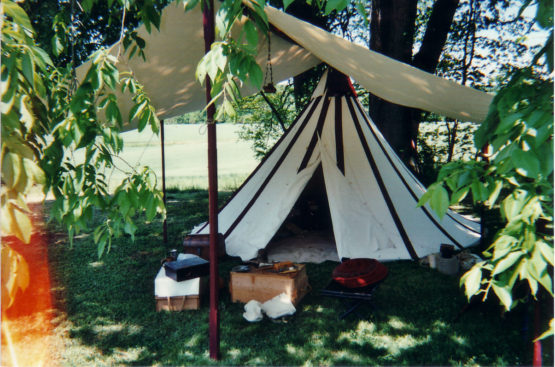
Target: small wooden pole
x: 214, y: 321
x: 537, y: 359
x: 165, y: 225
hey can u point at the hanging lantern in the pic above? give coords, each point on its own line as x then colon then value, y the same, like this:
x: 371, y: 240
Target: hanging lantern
x: 269, y: 88
x: 268, y: 85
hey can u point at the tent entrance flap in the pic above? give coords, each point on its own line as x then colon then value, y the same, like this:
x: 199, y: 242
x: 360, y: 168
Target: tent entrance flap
x: 306, y: 235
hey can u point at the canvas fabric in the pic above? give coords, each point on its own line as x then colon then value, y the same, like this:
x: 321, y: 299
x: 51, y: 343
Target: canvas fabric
x: 372, y: 195
x: 173, y: 53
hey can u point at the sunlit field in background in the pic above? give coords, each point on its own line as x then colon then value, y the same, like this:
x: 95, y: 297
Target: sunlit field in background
x: 186, y: 156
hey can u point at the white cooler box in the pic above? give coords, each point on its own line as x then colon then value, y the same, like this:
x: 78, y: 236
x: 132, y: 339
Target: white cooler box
x: 177, y: 296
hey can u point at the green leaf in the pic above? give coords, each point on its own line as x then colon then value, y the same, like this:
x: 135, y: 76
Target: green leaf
x: 286, y: 3
x: 426, y: 196
x: 137, y: 110
x: 545, y: 151
x: 18, y: 14
x: 459, y: 195
x: 34, y: 171
x: 251, y: 34
x: 28, y: 68
x: 495, y: 193
x: 130, y: 228
x: 502, y: 246
x: 21, y: 225
x: 101, y: 244
x: 504, y: 295
x: 546, y: 250
x: 41, y: 57
x: 526, y: 163
x: 98, y: 232
x: 338, y: 5
x: 150, y: 206
x: 143, y: 120
x: 11, y: 168
x: 439, y: 201
x: 544, y: 13
x: 228, y: 109
x: 57, y: 45
x: 472, y: 280
x: 507, y: 262
x: 362, y: 11
x: 512, y: 205
x: 255, y: 75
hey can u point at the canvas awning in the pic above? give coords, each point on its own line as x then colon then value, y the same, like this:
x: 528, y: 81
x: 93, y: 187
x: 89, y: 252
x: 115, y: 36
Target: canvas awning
x: 385, y: 77
x: 172, y: 54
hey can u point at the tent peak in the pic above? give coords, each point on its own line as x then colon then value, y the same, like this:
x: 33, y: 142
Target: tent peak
x: 339, y: 84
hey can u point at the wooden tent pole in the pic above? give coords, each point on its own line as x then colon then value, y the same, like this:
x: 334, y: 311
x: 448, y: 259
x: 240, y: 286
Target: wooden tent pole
x: 163, y: 148
x: 214, y: 321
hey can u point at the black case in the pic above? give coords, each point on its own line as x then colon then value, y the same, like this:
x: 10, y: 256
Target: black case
x: 187, y: 269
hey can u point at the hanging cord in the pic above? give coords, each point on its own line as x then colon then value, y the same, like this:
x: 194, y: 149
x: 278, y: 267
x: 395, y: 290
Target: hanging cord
x: 269, y: 70
x: 268, y: 85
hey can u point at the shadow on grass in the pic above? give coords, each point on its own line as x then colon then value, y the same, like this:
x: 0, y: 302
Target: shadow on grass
x: 111, y: 316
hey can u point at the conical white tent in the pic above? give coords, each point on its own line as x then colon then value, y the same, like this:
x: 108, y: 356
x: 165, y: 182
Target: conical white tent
x: 372, y: 195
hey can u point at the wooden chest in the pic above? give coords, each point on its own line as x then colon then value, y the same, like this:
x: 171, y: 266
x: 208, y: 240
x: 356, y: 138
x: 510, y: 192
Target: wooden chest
x: 265, y: 285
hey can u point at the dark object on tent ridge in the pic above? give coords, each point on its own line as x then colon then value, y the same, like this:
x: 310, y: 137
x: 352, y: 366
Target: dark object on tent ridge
x: 339, y: 84
x: 199, y: 244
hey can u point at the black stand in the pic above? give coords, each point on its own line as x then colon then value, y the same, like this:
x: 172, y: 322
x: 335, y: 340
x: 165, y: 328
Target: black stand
x: 358, y: 295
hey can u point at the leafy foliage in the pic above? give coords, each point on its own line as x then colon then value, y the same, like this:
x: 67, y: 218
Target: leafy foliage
x: 48, y: 117
x: 259, y: 123
x: 519, y: 177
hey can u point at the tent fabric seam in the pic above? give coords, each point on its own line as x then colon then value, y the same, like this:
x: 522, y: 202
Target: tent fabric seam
x: 414, y: 196
x: 381, y: 185
x: 276, y: 145
x: 274, y: 169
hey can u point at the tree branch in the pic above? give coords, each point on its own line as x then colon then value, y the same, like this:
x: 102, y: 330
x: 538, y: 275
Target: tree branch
x: 434, y: 39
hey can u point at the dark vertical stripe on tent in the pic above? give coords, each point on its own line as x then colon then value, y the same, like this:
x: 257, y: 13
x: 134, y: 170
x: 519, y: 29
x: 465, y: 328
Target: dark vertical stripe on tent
x: 274, y: 169
x: 415, y: 197
x: 339, y: 154
x: 317, y: 133
x: 414, y: 178
x: 426, y: 211
x: 381, y: 184
x: 268, y: 155
x: 463, y: 224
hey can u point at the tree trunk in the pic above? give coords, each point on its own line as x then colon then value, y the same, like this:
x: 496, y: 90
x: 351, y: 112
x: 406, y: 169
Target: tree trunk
x: 304, y: 83
x: 435, y: 37
x: 392, y: 30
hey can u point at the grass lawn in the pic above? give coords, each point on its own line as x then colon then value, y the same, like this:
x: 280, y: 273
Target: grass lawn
x: 106, y: 313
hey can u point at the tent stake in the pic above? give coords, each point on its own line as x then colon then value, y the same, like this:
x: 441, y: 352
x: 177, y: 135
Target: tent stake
x: 214, y: 327
x: 165, y: 225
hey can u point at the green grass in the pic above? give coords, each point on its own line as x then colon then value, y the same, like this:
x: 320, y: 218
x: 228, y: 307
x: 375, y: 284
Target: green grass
x: 107, y: 313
